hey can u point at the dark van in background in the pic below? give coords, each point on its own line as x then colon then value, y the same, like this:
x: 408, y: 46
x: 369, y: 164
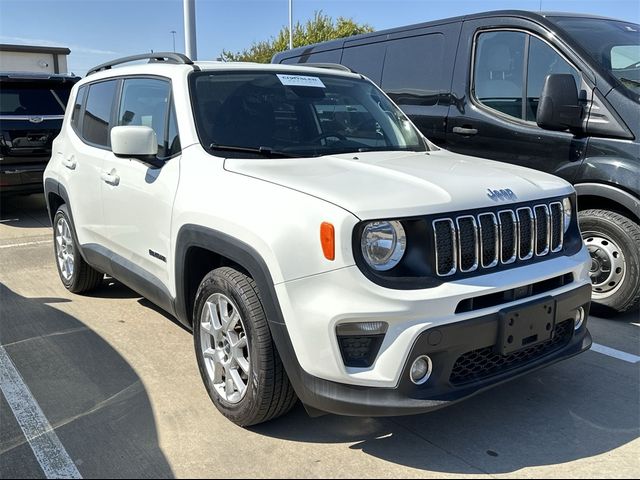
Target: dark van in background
x: 550, y: 91
x: 32, y: 107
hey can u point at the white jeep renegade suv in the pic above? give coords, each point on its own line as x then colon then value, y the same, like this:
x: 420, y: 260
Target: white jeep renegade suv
x: 317, y: 245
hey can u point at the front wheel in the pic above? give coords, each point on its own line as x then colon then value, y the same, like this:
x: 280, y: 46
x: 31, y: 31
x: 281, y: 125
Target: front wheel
x: 612, y: 241
x: 237, y: 358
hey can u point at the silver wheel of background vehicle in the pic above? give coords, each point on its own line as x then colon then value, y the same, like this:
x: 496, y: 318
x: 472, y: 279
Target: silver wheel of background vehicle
x: 64, y: 249
x: 225, y: 348
x: 608, y: 266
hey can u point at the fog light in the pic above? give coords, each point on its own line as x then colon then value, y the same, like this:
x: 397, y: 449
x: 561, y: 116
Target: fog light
x: 421, y: 370
x: 578, y: 318
x: 360, y: 342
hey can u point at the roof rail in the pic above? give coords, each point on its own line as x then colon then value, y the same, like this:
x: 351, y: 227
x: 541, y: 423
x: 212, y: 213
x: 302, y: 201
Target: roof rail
x: 168, y: 57
x: 330, y: 66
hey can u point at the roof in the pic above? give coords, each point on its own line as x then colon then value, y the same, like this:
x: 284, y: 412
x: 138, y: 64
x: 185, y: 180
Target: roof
x: 539, y: 17
x: 6, y: 47
x: 270, y: 67
x: 120, y: 67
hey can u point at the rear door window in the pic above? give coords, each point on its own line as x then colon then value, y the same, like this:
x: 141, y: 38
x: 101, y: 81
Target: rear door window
x: 33, y: 98
x: 97, y: 114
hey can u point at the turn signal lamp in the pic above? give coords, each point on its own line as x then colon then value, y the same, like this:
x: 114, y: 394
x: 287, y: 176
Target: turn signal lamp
x: 328, y: 240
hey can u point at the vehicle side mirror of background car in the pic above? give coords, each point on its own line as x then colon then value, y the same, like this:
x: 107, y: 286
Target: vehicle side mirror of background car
x: 136, y: 141
x: 559, y: 107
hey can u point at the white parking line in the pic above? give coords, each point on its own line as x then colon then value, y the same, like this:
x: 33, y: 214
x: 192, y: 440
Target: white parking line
x: 38, y: 242
x: 612, y: 352
x: 46, y: 446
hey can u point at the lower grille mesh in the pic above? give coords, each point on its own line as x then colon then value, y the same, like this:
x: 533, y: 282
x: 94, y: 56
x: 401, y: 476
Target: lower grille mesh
x: 485, y: 362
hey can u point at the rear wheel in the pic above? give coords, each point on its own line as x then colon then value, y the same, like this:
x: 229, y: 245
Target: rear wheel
x: 612, y: 241
x: 237, y: 358
x: 76, y: 274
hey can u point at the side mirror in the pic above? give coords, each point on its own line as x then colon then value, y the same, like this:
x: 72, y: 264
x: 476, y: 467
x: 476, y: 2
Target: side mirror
x: 559, y: 107
x: 136, y: 141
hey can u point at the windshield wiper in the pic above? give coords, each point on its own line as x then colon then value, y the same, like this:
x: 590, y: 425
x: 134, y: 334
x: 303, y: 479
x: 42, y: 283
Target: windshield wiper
x: 264, y: 151
x: 392, y: 149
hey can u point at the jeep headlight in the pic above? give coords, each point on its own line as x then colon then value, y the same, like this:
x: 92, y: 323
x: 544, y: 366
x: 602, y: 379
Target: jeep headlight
x: 383, y: 244
x: 566, y: 207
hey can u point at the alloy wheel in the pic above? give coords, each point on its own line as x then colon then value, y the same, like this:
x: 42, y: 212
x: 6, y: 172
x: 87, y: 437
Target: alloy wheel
x: 225, y: 348
x: 64, y: 248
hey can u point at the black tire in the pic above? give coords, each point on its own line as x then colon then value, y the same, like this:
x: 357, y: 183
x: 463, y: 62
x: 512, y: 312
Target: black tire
x: 84, y: 277
x: 269, y: 393
x: 624, y: 234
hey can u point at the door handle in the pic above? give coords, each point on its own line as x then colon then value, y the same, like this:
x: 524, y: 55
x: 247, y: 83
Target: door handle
x: 465, y: 130
x: 110, y: 177
x: 70, y: 162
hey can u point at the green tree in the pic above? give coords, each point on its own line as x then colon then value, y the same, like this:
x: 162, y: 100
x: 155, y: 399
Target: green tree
x: 319, y: 29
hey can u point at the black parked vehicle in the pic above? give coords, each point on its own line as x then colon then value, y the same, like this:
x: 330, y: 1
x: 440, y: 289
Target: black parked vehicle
x: 551, y: 91
x: 32, y: 107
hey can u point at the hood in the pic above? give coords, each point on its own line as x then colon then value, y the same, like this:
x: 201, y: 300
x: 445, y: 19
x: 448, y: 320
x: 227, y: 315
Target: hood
x: 376, y: 185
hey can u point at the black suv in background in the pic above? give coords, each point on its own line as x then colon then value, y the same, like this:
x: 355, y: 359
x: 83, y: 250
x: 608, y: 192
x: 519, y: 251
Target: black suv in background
x: 31, y: 111
x: 550, y: 91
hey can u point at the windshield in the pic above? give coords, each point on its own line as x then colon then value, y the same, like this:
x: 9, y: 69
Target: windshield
x: 296, y: 115
x: 613, y: 44
x: 33, y: 99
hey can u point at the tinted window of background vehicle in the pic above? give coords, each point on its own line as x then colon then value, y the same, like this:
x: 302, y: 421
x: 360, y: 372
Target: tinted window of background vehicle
x: 366, y: 59
x: 412, y: 69
x: 498, y: 71
x: 616, y: 47
x: 33, y: 99
x: 331, y: 56
x: 543, y: 61
x: 144, y: 102
x: 95, y: 124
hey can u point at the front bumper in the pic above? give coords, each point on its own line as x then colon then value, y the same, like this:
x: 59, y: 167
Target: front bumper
x: 313, y: 307
x: 445, y: 345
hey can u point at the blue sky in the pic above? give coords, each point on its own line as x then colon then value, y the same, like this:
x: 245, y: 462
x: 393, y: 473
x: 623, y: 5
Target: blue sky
x: 98, y: 30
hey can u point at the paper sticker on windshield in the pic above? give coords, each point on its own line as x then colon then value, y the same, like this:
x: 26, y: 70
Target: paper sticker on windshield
x: 300, y: 81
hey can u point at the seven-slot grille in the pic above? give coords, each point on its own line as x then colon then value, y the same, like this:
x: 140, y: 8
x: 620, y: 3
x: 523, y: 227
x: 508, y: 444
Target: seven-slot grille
x: 465, y: 243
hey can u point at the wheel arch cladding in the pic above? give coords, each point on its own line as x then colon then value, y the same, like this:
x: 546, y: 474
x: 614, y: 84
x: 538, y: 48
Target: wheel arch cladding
x: 200, y: 250
x: 225, y: 250
x: 604, y: 196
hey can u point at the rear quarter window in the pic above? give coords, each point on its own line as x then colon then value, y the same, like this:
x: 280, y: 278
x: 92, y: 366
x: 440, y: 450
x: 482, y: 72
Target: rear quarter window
x: 330, y: 56
x: 77, y: 107
x: 413, y: 72
x: 366, y: 59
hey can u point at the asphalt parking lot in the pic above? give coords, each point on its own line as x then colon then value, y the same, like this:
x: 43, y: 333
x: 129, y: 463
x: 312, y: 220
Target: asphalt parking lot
x: 116, y: 380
